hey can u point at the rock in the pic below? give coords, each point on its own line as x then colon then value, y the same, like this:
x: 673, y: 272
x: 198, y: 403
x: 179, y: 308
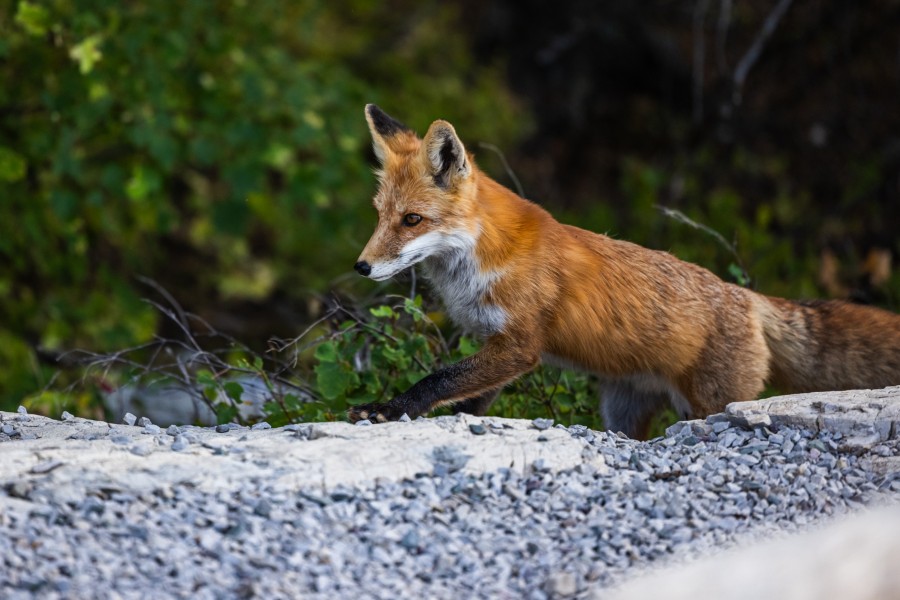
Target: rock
x: 562, y: 584
x: 860, y: 442
x: 848, y: 413
x: 720, y: 426
x: 181, y: 442
x: 542, y: 424
x: 140, y: 450
x: 811, y: 566
x: 129, y: 419
x: 66, y: 416
x: 477, y: 428
x: 886, y: 466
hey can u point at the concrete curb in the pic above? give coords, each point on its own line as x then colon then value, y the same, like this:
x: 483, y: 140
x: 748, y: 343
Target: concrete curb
x: 63, y: 461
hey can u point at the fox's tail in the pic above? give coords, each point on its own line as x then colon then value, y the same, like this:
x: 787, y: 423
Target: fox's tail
x: 830, y: 345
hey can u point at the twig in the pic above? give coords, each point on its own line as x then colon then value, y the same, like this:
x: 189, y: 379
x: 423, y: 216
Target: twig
x: 722, y: 35
x: 278, y: 345
x: 506, y: 166
x: 755, y: 50
x: 700, y: 9
x: 382, y: 333
x: 165, y: 294
x: 683, y: 218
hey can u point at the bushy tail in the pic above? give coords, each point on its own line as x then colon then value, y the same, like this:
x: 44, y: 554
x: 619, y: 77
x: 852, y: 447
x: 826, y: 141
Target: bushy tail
x: 830, y: 345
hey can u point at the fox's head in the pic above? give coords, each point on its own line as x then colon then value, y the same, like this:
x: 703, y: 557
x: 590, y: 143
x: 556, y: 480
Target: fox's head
x: 424, y: 196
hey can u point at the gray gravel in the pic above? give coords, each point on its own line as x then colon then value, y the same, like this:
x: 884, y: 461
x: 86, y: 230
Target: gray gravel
x: 442, y: 534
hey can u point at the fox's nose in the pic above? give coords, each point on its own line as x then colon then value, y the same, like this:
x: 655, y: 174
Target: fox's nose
x: 363, y: 268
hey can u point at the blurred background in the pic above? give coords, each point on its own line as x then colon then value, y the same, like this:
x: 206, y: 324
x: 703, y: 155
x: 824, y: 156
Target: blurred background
x: 213, y: 158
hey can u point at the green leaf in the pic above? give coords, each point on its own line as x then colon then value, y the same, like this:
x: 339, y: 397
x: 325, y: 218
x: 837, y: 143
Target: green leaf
x: 414, y: 308
x: 12, y: 165
x: 87, y: 53
x: 292, y: 402
x: 205, y: 378
x: 467, y: 346
x: 143, y: 183
x: 740, y: 276
x: 327, y: 352
x: 233, y: 390
x: 383, y: 312
x: 334, y: 380
x: 33, y: 18
x: 226, y: 413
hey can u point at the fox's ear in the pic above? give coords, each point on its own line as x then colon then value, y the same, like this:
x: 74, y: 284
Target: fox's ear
x: 384, y: 128
x: 446, y: 154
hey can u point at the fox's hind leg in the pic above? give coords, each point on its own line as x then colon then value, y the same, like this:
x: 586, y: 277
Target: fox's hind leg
x: 628, y: 405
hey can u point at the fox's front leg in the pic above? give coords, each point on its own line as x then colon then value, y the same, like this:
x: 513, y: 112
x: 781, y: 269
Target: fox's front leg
x: 477, y: 376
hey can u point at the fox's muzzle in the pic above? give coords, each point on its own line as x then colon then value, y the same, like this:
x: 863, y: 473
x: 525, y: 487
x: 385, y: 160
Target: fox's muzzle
x: 363, y: 268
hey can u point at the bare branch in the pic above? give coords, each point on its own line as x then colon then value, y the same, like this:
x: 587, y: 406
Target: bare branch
x: 753, y: 53
x: 165, y: 294
x: 722, y: 35
x: 506, y: 166
x: 683, y: 218
x: 700, y: 9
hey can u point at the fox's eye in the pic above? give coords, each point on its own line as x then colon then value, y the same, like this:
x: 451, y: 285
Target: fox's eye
x: 411, y: 219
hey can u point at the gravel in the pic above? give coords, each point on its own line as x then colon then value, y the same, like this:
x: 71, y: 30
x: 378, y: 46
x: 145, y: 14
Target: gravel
x: 443, y: 533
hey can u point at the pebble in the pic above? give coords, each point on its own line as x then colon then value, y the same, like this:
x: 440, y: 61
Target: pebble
x: 129, y: 419
x: 542, y: 424
x: 363, y: 423
x: 22, y: 410
x: 144, y: 421
x: 446, y: 533
x: 259, y: 426
x: 720, y: 426
x: 67, y: 416
x: 223, y: 428
x: 141, y: 449
x: 477, y: 428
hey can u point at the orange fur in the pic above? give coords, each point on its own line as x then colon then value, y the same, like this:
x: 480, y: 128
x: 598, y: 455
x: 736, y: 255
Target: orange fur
x: 656, y: 329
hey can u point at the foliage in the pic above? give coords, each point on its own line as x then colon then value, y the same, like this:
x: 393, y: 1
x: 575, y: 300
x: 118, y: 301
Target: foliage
x: 217, y: 147
x: 349, y: 356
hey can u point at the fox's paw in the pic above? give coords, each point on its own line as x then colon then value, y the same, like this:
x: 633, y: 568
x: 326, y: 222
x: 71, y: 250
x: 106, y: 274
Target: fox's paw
x: 377, y: 413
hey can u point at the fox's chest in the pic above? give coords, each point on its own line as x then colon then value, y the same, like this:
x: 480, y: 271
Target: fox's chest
x: 465, y: 289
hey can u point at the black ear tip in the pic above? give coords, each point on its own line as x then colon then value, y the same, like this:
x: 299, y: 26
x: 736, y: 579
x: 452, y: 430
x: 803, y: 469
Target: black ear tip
x: 383, y: 123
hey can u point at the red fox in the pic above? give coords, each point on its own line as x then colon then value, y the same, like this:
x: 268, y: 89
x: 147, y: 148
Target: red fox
x: 656, y: 330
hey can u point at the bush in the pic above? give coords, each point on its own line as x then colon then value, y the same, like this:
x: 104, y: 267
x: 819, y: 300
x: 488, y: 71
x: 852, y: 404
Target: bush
x: 217, y: 147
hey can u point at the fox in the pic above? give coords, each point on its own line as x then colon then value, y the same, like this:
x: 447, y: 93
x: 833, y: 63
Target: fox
x: 657, y: 331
